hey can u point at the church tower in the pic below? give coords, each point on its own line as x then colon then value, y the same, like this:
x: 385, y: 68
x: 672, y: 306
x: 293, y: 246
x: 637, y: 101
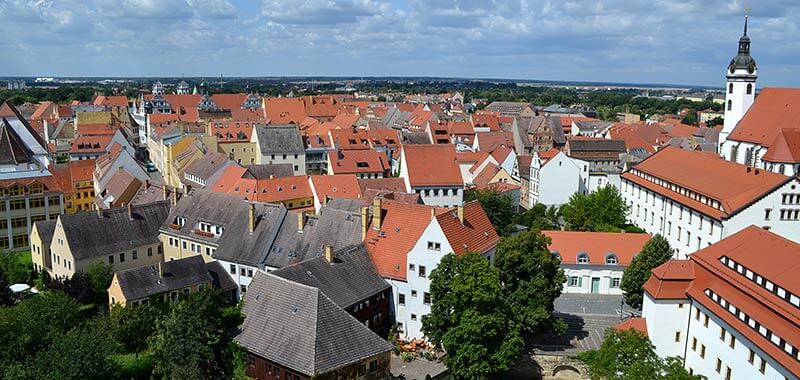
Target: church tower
x: 740, y: 89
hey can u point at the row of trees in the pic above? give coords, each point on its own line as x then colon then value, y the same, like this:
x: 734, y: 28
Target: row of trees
x: 481, y: 314
x: 51, y: 336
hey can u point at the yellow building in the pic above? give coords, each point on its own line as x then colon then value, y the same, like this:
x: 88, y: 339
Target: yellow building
x: 77, y: 182
x: 124, y: 238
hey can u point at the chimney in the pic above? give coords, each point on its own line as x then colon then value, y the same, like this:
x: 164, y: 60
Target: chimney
x: 461, y: 214
x: 376, y: 213
x: 99, y: 212
x: 252, y: 218
x: 364, y: 218
x: 146, y: 184
x: 329, y: 254
x: 160, y: 270
x: 433, y: 213
x: 130, y: 210
x: 301, y: 222
x: 166, y: 192
x: 174, y: 196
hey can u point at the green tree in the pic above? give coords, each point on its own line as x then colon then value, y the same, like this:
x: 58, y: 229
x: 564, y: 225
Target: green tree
x: 16, y: 270
x: 541, y: 217
x: 531, y: 279
x: 132, y: 326
x: 100, y: 274
x: 76, y: 355
x: 601, y: 210
x: 5, y: 292
x: 654, y: 253
x: 191, y: 342
x: 629, y: 355
x: 79, y: 287
x: 469, y: 318
x: 499, y: 208
x: 715, y: 122
x: 690, y: 118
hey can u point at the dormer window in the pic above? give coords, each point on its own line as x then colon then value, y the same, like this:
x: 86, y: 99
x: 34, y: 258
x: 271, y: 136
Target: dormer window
x: 611, y: 259
x: 181, y: 221
x: 583, y: 258
x: 556, y: 255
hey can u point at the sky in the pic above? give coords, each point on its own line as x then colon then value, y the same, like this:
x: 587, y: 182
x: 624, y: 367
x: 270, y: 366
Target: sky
x: 631, y: 41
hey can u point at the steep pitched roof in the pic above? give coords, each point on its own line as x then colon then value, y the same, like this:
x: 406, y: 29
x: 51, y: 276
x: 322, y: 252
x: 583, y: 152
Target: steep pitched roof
x: 358, y: 161
x: 785, y: 147
x: 349, y: 279
x: 146, y: 281
x: 335, y: 186
x: 275, y: 139
x: 299, y: 327
x: 12, y: 150
x: 774, y: 108
x: 420, y: 171
x: 597, y: 245
x: 634, y: 323
x: 90, y: 235
x: 670, y: 280
x: 475, y: 234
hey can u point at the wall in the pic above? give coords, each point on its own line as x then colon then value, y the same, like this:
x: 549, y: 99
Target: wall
x: 664, y: 319
x: 561, y: 177
x: 20, y: 212
x: 40, y: 254
x: 261, y: 369
x: 605, y: 274
x: 441, y: 196
x: 242, y: 152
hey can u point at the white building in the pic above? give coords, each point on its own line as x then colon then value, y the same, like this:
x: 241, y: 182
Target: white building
x: 280, y: 144
x: 406, y: 243
x: 432, y: 171
x: 554, y: 177
x: 594, y: 261
x: 695, y: 199
x: 727, y: 313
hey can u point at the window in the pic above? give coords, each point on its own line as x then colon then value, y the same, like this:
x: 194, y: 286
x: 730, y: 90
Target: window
x: 574, y: 281
x: 611, y: 259
x: 401, y: 299
x: 694, y: 344
x: 730, y: 88
x: 733, y: 342
x: 677, y: 336
x: 122, y: 257
x: 233, y: 269
x: 697, y: 314
x: 426, y: 298
x: 702, y: 350
x: 249, y: 273
x: 149, y: 251
x: 241, y: 271
x: 722, y: 334
x: 362, y: 370
x: 373, y: 366
x: 583, y: 258
x: 730, y: 105
x: 111, y: 259
x: 134, y: 254
x: 718, y: 367
x: 615, y: 281
x: 412, y: 267
x: 422, y: 271
x: 705, y: 321
x: 766, y: 213
x: 413, y: 317
x: 763, y: 366
x: 749, y: 88
x: 413, y: 293
x: 728, y: 373
x: 752, y: 357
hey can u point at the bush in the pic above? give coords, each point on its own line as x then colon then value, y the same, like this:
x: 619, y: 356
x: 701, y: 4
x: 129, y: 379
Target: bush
x: 407, y: 356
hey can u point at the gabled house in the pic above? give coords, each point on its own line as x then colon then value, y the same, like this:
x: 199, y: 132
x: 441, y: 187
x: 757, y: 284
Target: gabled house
x: 276, y: 144
x: 438, y: 185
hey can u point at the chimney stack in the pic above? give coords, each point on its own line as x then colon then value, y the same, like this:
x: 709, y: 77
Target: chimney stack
x: 146, y: 184
x: 160, y: 269
x: 301, y: 222
x: 364, y: 226
x: 329, y: 254
x: 130, y: 210
x: 433, y: 213
x: 376, y: 213
x: 461, y: 214
x: 174, y: 196
x: 252, y: 218
x: 165, y: 192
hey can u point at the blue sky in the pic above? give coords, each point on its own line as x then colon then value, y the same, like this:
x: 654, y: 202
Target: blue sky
x: 653, y: 41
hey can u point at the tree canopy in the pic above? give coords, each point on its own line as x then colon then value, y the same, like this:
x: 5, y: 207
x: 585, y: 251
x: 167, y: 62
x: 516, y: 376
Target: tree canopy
x: 531, y: 279
x: 601, y: 210
x: 541, y: 217
x: 499, y: 208
x: 654, y: 253
x: 629, y: 355
x: 470, y: 319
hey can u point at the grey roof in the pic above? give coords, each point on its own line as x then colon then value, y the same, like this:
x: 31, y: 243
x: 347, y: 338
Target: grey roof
x: 299, y: 327
x: 349, y: 279
x: 415, y: 138
x: 46, y: 228
x: 266, y: 171
x: 344, y: 204
x: 91, y: 235
x: 554, y: 122
x: 200, y: 205
x: 274, y: 139
x: 146, y: 281
x: 210, y: 164
x: 333, y: 227
x: 13, y: 150
x: 597, y: 145
x: 597, y: 126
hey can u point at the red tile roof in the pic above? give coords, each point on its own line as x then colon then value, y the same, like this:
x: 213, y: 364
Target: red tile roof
x: 489, y: 141
x: 232, y: 131
x: 335, y: 186
x: 670, y: 280
x: 387, y: 184
x: 597, y: 245
x: 422, y: 173
x: 733, y: 185
x: 785, y: 147
x: 635, y: 323
x: 90, y: 144
x: 267, y: 190
x: 358, y: 161
x: 284, y: 110
x: 475, y: 234
x: 774, y: 108
x: 486, y: 119
x: 111, y: 101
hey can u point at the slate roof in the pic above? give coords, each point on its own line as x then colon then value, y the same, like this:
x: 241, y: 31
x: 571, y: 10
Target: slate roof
x: 90, y: 235
x: 554, y: 122
x: 274, y: 139
x: 349, y: 279
x: 12, y: 149
x: 299, y: 327
x: 211, y: 164
x: 46, y: 229
x: 266, y: 171
x: 146, y: 281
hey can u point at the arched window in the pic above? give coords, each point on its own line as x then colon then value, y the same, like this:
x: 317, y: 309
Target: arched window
x: 730, y: 105
x: 781, y: 169
x: 611, y: 259
x: 583, y: 258
x: 749, y: 88
x: 730, y: 88
x: 748, y: 156
x: 556, y: 255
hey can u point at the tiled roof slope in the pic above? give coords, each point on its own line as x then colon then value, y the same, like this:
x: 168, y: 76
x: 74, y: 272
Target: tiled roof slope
x: 733, y: 185
x: 90, y: 235
x: 475, y: 234
x: 299, y: 327
x: 596, y: 245
x: 349, y: 279
x: 420, y: 171
x: 774, y: 108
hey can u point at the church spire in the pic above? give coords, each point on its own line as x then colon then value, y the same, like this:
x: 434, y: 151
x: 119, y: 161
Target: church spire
x: 745, y: 24
x: 744, y: 42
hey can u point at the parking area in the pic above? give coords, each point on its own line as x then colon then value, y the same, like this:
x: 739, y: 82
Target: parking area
x: 587, y: 317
